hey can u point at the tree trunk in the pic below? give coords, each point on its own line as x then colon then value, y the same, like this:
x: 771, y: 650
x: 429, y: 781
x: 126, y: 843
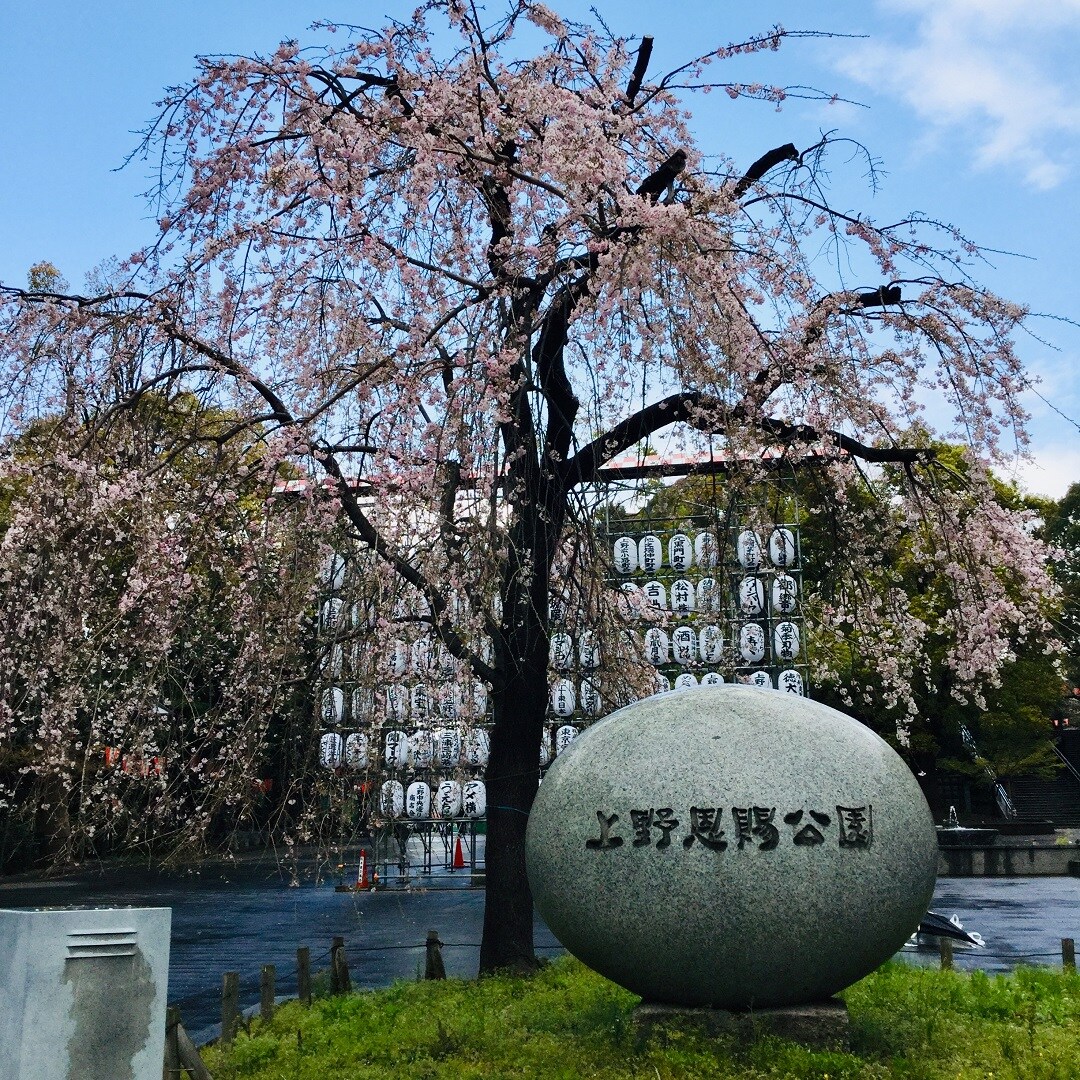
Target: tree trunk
x: 512, y: 777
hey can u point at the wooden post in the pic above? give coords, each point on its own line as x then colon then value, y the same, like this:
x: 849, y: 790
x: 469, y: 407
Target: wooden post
x: 230, y: 1005
x: 189, y: 1056
x: 1068, y: 954
x: 945, y: 949
x: 433, y: 966
x: 303, y: 975
x: 335, y: 979
x: 339, y: 968
x: 266, y: 992
x: 171, y: 1068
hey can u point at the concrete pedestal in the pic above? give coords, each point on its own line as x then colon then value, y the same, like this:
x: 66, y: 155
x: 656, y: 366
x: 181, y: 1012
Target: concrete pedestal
x: 82, y: 993
x: 821, y: 1026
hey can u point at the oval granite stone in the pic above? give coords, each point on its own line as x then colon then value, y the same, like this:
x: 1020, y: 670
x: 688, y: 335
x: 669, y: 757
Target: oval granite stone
x: 731, y: 847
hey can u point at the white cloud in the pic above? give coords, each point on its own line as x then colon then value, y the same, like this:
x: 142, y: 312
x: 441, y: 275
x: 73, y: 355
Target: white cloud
x: 1054, y: 468
x: 997, y: 75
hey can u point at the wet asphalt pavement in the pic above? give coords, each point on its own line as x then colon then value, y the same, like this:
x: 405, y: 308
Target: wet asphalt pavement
x: 237, y: 917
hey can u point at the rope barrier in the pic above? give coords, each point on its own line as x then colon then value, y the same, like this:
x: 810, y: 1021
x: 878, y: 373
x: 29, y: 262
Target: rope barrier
x: 290, y: 975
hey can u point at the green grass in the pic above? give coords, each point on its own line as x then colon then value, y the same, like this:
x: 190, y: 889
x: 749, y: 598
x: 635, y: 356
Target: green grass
x: 568, y: 1022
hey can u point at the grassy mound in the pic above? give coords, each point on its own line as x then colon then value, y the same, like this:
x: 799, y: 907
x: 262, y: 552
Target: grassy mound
x: 568, y: 1022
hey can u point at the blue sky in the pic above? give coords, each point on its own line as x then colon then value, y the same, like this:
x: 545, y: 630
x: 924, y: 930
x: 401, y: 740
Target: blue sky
x: 973, y: 106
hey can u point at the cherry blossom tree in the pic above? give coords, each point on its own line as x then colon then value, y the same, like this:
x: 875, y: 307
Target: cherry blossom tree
x: 451, y: 279
x: 151, y: 614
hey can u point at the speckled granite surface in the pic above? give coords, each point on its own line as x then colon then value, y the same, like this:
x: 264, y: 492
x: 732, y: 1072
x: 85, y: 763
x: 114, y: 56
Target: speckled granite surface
x: 732, y: 847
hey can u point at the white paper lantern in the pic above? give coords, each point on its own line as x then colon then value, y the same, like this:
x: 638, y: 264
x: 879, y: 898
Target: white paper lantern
x: 396, y: 753
x: 446, y: 663
x: 625, y: 555
x: 650, y: 554
x: 706, y: 550
x: 456, y: 607
x: 363, y: 705
x: 563, y: 698
x: 356, y: 750
x: 420, y: 656
x: 782, y: 548
x: 751, y: 596
x: 479, y: 698
x: 363, y: 615
x: 762, y: 679
x: 397, y: 658
x: 711, y: 644
x: 785, y: 594
x: 590, y: 697
x: 685, y: 681
x: 790, y: 681
x: 419, y: 703
x: 474, y: 799
x: 752, y: 643
x: 786, y: 641
x: 628, y: 601
x: 662, y: 683
x: 655, y: 594
x: 564, y: 736
x: 392, y: 799
x: 448, y: 748
x: 680, y: 553
x: 545, y: 750
x: 561, y: 652
x: 422, y: 744
x: 683, y: 597
x: 333, y: 706
x: 477, y: 747
x: 449, y: 699
x: 588, y: 650
x: 418, y: 800
x: 334, y: 572
x: 557, y: 608
x: 448, y: 799
x: 396, y: 699
x: 710, y: 597
x: 331, y: 748
x: 748, y: 549
x: 656, y: 646
x: 335, y: 661
x: 330, y: 615
x: 712, y: 678
x: 684, y: 645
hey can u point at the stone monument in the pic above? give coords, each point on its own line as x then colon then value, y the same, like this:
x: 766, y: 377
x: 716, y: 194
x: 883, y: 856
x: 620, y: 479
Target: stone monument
x: 731, y: 847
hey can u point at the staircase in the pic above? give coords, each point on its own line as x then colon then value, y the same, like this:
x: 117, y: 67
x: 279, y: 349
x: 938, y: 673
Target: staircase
x: 1056, y: 800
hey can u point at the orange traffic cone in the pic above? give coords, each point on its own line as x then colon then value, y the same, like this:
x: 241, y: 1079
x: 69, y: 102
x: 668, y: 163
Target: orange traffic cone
x: 362, y: 879
x: 459, y: 858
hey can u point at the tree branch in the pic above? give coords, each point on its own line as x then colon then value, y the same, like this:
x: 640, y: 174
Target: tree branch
x: 696, y: 408
x: 643, y: 55
x: 654, y: 185
x: 768, y: 161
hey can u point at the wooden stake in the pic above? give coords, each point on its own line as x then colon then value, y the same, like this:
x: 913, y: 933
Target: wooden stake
x: 433, y: 966
x: 303, y: 975
x: 189, y: 1056
x: 230, y: 1005
x: 340, y: 982
x: 1068, y: 954
x: 171, y: 1067
x: 266, y: 992
x: 945, y: 949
